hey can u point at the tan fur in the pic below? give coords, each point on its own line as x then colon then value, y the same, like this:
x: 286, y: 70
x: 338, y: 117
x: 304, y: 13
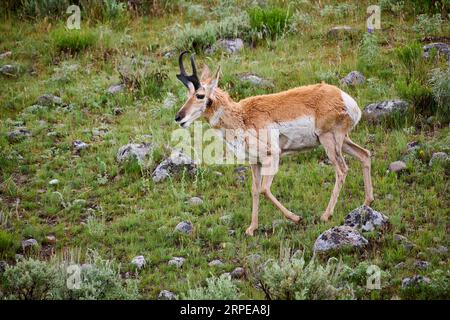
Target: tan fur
x: 322, y: 102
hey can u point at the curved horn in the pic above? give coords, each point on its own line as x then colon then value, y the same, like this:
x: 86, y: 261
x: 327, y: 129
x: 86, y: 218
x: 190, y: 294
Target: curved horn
x: 186, y: 79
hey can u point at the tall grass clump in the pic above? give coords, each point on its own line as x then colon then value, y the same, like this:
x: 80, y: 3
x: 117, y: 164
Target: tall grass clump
x: 113, y: 11
x: 369, y: 53
x: 33, y: 9
x: 196, y: 38
x: 440, y: 89
x: 269, y: 22
x: 142, y: 75
x: 73, y: 41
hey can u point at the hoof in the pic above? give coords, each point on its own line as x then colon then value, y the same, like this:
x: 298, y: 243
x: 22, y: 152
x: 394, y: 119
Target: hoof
x: 295, y: 218
x: 324, y: 217
x: 250, y: 231
x: 368, y: 202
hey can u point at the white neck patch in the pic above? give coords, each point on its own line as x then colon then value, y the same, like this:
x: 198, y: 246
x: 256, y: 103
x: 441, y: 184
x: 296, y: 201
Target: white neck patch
x: 216, y: 116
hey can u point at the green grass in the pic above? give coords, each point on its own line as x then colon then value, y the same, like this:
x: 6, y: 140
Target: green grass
x: 118, y: 209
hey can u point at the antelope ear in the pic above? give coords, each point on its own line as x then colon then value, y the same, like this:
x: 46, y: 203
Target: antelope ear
x: 205, y: 74
x: 215, y: 80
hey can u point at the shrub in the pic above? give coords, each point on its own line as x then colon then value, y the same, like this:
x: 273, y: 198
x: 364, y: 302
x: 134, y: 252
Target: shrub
x: 43, y: 8
x: 29, y: 280
x: 36, y: 280
x: 440, y: 89
x: 338, y: 11
x: 269, y: 22
x: 194, y: 38
x: 73, y: 41
x: 292, y: 278
x: 217, y: 288
x: 143, y: 75
x: 428, y: 25
x: 368, y: 53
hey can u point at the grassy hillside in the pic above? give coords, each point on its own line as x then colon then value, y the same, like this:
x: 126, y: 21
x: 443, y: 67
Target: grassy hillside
x: 117, y: 210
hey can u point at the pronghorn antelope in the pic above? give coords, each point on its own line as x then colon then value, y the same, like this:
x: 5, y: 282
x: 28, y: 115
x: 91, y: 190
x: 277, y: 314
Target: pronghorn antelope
x: 305, y: 117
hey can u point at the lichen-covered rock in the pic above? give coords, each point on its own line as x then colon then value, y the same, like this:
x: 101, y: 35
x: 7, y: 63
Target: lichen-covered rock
x: 176, y: 261
x: 28, y: 244
x: 228, y: 45
x: 353, y: 78
x: 366, y: 219
x: 9, y: 70
x: 397, y: 166
x: 49, y: 100
x: 422, y: 264
x: 440, y: 47
x: 167, y: 295
x: 79, y: 145
x: 184, y: 227
x: 177, y: 162
x: 139, y: 261
x: 215, y: 263
x: 414, y: 281
x: 375, y: 112
x: 18, y: 134
x: 338, y: 32
x: 338, y: 238
x: 439, y: 157
x: 255, y: 80
x: 136, y: 150
x: 237, y: 273
x: 116, y: 88
x: 195, y: 201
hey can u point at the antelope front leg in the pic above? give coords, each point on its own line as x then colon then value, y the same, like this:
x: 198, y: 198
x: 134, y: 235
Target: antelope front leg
x: 256, y: 187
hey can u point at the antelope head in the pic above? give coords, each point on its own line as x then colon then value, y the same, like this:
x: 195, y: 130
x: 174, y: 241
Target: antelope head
x: 200, y: 92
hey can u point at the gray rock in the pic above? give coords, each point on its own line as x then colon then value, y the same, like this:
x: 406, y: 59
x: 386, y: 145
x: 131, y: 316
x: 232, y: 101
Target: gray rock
x: 422, y: 264
x: 215, y: 263
x: 28, y: 244
x: 400, y: 265
x: 237, y: 273
x: 195, y: 201
x: 438, y: 250
x: 253, y: 258
x: 53, y: 182
x: 134, y: 150
x: 353, y: 78
x: 340, y: 31
x: 413, y: 145
x: 116, y: 88
x: 366, y: 219
x: 18, y: 134
x: 440, y: 47
x: 177, y: 162
x: 375, y: 112
x: 5, y: 54
x: 339, y: 237
x: 228, y: 45
x: 408, y: 245
x: 99, y: 132
x: 255, y: 80
x: 79, y: 145
x: 9, y: 70
x: 139, y: 261
x: 167, y: 295
x: 3, y: 266
x: 19, y: 257
x: 176, y: 261
x: 415, y: 281
x: 439, y: 157
x: 184, y: 227
x: 397, y: 166
x: 49, y: 100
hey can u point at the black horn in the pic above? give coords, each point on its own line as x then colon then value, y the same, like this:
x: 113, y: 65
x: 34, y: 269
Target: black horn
x: 183, y: 77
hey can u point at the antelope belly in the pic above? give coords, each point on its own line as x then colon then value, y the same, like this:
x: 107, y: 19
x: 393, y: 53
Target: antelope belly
x: 297, y: 134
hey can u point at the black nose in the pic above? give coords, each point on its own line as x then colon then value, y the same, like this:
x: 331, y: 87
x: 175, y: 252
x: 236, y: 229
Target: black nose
x: 178, y: 117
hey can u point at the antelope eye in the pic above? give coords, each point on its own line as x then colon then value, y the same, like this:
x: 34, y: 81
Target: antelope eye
x: 200, y: 96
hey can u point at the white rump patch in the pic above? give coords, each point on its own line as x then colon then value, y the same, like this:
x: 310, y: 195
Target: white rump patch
x: 352, y: 107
